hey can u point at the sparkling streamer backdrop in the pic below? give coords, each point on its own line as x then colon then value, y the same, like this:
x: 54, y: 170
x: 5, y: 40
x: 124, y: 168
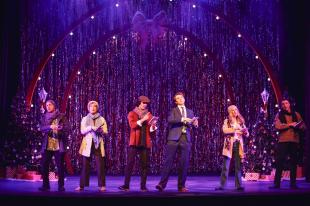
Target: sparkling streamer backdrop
x: 119, y: 70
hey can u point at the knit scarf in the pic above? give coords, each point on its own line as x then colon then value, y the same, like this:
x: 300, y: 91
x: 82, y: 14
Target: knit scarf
x: 141, y: 113
x: 282, y: 114
x: 94, y: 120
x: 51, y: 116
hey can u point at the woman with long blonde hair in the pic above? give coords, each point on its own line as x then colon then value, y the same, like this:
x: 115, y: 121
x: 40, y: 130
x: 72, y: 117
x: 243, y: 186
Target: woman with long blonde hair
x: 234, y: 129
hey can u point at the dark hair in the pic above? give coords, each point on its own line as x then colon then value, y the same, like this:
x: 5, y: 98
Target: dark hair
x: 138, y: 102
x: 289, y: 100
x: 285, y: 99
x: 178, y: 93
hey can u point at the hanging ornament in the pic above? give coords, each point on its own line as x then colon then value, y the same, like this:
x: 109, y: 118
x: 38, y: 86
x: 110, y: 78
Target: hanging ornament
x: 265, y: 97
x: 42, y: 96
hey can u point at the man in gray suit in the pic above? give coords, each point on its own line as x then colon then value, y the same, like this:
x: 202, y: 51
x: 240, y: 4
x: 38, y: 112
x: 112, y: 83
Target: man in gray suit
x: 180, y: 120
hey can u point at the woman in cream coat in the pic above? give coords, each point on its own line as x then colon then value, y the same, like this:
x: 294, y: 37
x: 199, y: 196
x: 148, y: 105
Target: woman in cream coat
x: 93, y: 127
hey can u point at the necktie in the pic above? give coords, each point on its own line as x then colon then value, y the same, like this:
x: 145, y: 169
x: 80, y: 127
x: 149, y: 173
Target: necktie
x: 183, y: 115
x: 182, y: 112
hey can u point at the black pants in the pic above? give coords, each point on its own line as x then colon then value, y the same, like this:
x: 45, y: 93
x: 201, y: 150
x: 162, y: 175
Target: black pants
x: 226, y: 164
x: 144, y: 163
x: 284, y: 149
x: 46, y: 160
x: 172, y: 148
x: 85, y: 172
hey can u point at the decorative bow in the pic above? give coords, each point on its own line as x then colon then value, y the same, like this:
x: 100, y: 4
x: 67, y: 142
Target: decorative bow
x: 149, y: 28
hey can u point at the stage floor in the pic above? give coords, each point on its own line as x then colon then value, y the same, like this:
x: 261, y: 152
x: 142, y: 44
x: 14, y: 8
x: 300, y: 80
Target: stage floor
x: 201, y: 188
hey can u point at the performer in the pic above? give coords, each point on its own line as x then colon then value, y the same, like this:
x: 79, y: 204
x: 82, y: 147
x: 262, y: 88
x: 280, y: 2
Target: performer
x: 234, y: 129
x: 288, y: 123
x: 180, y: 120
x: 93, y: 127
x: 55, y: 132
x: 141, y: 123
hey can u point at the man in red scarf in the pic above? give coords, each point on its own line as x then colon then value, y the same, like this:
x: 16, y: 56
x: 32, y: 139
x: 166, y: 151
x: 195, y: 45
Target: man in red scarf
x: 141, y: 126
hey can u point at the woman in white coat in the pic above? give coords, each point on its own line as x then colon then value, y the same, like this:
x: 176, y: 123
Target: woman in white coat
x: 93, y: 127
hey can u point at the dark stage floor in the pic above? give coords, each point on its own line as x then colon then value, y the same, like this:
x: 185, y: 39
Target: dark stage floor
x: 15, y: 192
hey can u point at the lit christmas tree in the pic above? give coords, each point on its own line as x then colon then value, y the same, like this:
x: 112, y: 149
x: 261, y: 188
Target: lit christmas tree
x: 23, y: 144
x: 260, y: 156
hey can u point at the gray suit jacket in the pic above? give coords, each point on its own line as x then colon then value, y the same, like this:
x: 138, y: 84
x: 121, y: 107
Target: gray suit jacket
x: 175, y: 124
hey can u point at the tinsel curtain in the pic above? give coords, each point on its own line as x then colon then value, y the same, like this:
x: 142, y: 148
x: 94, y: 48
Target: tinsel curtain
x: 119, y: 70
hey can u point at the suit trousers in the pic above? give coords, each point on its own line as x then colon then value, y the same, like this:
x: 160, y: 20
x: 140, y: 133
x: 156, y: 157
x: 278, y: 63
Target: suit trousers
x: 183, y: 146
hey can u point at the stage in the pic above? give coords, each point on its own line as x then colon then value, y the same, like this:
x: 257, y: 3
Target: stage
x: 254, y: 55
x: 201, y: 192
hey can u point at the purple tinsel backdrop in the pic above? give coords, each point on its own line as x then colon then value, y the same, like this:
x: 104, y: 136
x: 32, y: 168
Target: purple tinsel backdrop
x: 119, y: 70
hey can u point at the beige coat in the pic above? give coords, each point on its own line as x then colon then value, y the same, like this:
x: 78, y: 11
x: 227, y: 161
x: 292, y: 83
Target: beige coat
x: 229, y: 133
x: 88, y: 133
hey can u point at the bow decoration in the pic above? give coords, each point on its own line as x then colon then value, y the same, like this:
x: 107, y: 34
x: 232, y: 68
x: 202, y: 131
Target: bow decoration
x: 149, y: 28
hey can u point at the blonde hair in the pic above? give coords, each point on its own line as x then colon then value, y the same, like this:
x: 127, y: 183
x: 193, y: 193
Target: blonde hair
x: 239, y: 117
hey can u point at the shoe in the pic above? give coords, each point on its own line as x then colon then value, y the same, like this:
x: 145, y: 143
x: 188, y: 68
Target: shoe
x: 144, y: 189
x: 102, y: 189
x: 274, y: 187
x: 79, y: 189
x: 44, y: 189
x: 183, y: 189
x: 219, y: 188
x: 159, y: 188
x: 240, y: 189
x: 123, y: 188
x: 294, y: 187
x: 61, y: 189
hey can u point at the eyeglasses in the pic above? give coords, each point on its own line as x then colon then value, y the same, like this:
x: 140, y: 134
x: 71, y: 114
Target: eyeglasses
x: 145, y: 102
